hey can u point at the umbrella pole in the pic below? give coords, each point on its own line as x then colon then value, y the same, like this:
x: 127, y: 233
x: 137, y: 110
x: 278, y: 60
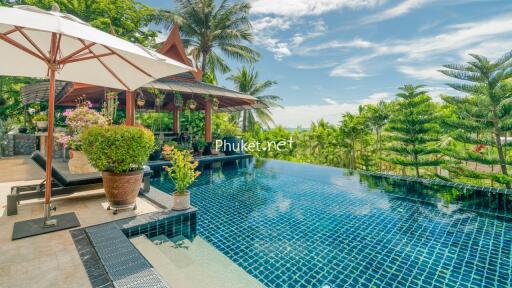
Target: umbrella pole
x: 48, y: 222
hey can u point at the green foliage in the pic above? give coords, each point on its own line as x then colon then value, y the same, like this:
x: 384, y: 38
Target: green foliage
x: 40, y: 117
x: 222, y: 127
x: 117, y: 149
x: 127, y: 19
x: 264, y: 137
x: 208, y: 28
x: 483, y: 117
x: 182, y: 172
x: 414, y: 129
x: 353, y: 130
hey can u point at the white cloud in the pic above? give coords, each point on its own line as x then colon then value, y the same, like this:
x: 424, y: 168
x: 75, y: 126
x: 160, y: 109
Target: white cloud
x: 396, y: 11
x: 315, y: 65
x: 422, y: 73
x: 264, y: 35
x: 458, y: 37
x: 335, y: 44
x: 330, y: 101
x: 376, y: 97
x: 298, y: 8
x: 352, y: 68
x: 274, y: 23
x: 492, y: 49
x: 436, y: 92
x: 461, y: 39
x: 353, y: 71
x: 304, y: 115
x: 319, y: 29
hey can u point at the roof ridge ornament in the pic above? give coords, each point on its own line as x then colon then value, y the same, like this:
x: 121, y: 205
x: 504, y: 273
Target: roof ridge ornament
x: 55, y: 7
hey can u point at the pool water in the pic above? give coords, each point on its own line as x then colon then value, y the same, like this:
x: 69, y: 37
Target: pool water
x: 298, y: 225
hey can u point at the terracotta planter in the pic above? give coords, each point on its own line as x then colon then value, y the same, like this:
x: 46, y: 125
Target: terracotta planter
x: 180, y: 201
x: 122, y: 188
x: 79, y: 163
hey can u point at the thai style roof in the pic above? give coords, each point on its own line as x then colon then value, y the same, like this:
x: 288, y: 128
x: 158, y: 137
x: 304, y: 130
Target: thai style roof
x: 188, y: 84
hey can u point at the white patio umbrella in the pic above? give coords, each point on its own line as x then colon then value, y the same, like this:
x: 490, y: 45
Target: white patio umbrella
x: 39, y: 43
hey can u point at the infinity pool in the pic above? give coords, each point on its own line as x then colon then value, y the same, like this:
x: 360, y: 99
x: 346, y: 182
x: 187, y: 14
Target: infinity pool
x: 296, y: 225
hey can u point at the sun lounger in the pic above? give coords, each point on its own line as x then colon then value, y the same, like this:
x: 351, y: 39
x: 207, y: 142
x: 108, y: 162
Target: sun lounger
x: 64, y: 183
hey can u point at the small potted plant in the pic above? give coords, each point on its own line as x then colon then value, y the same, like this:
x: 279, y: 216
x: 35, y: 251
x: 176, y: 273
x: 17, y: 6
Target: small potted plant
x: 41, y: 121
x: 182, y: 173
x: 199, y: 146
x: 120, y: 153
x: 157, y: 152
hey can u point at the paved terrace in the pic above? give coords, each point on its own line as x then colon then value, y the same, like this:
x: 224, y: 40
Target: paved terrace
x: 49, y: 260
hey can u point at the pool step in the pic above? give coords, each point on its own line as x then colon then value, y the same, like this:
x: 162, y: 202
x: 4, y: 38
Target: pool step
x: 186, y: 264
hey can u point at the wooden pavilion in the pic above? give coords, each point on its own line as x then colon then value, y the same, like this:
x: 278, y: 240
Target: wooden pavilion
x: 187, y: 86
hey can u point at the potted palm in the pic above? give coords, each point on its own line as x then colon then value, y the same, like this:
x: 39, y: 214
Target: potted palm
x: 182, y: 173
x: 120, y: 153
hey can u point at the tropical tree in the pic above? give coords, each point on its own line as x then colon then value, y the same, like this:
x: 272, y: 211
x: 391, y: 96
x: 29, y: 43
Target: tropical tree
x: 127, y: 19
x: 246, y: 81
x: 487, y: 82
x: 413, y: 130
x: 353, y: 129
x: 377, y: 116
x: 473, y: 150
x: 320, y: 144
x: 207, y: 28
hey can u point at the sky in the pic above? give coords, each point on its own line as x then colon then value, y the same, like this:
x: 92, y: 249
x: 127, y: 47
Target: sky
x: 329, y: 56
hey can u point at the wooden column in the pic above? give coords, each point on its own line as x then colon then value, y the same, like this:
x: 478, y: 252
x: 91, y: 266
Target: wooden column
x: 208, y: 121
x: 176, y: 120
x: 130, y: 108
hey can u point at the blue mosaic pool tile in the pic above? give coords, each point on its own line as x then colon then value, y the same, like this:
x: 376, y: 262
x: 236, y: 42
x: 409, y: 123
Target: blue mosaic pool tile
x: 289, y: 230
x: 122, y: 262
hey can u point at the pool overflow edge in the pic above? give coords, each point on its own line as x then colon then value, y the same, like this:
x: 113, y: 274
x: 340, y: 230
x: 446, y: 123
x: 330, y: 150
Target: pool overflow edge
x: 111, y: 260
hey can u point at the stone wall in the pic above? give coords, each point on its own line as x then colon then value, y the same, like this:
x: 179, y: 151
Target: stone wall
x: 25, y: 144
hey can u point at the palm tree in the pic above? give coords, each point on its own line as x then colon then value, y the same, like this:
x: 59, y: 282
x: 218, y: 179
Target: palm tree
x: 352, y: 129
x: 246, y: 81
x: 377, y: 116
x: 488, y: 82
x: 206, y: 26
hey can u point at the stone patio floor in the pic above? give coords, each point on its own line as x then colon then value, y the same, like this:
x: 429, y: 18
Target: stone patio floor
x: 50, y: 260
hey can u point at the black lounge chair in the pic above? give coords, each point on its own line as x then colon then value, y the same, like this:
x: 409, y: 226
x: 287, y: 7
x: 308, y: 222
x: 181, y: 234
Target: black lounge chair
x: 64, y: 183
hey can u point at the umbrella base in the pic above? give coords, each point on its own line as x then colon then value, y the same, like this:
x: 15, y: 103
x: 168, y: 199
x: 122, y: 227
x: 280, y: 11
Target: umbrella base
x: 39, y: 226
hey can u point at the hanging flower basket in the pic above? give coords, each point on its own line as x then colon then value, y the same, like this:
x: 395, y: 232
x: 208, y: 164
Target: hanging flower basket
x: 141, y: 101
x: 215, y: 103
x: 178, y: 100
x: 192, y: 104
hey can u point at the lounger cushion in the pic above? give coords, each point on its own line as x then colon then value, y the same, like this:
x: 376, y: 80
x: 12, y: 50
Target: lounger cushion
x: 66, y: 179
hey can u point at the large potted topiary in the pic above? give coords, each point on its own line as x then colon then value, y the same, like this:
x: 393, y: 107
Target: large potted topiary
x: 120, y: 153
x: 182, y: 173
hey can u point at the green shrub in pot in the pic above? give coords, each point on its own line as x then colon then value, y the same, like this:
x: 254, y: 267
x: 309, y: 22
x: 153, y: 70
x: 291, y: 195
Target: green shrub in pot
x: 120, y: 152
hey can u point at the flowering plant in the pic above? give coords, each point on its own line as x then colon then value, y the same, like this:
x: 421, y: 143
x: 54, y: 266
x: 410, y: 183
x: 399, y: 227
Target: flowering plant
x: 182, y: 172
x: 78, y: 120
